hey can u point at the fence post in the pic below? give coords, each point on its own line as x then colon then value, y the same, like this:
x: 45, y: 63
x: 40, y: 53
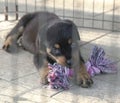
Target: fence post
x: 6, y: 10
x: 16, y: 9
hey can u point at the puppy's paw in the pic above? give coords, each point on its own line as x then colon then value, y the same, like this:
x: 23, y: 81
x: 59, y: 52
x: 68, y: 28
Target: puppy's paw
x: 43, y: 75
x: 83, y: 78
x: 10, y: 45
x: 44, y: 81
x: 7, y: 44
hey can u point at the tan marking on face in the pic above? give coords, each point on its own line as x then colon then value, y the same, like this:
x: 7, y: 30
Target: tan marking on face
x: 57, y: 46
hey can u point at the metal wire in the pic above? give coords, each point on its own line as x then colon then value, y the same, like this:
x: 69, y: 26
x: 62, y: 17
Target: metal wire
x: 16, y: 9
x: 83, y: 12
x: 35, y: 5
x: 26, y: 6
x: 93, y: 14
x: 82, y: 18
x: 113, y: 15
x: 44, y: 5
x: 103, y: 14
x: 63, y: 8
x: 54, y: 6
x: 73, y: 9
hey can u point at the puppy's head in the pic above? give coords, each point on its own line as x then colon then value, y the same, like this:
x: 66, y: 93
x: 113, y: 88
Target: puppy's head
x: 59, y: 37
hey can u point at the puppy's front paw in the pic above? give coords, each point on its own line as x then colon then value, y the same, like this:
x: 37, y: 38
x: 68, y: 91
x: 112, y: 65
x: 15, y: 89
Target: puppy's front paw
x: 44, y: 81
x: 43, y: 75
x: 83, y: 78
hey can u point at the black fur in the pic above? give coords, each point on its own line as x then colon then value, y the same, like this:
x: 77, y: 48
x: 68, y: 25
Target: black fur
x: 42, y: 31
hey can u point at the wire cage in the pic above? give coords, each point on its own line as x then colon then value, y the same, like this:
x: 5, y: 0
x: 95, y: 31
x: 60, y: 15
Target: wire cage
x: 96, y: 14
x: 18, y: 76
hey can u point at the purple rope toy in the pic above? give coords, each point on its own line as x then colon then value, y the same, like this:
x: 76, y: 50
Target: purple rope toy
x: 98, y: 63
x: 59, y: 76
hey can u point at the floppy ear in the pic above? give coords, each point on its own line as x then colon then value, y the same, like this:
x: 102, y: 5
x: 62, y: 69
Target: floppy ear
x: 75, y: 33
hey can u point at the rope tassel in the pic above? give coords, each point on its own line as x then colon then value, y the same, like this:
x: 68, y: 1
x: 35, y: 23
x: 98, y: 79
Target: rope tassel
x: 98, y: 63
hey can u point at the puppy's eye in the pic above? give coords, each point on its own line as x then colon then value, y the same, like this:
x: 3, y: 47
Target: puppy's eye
x: 69, y: 41
x: 57, y: 46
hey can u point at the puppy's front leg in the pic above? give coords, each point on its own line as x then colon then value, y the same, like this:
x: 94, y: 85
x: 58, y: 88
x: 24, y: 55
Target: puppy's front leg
x: 42, y: 66
x: 82, y: 77
x: 43, y: 71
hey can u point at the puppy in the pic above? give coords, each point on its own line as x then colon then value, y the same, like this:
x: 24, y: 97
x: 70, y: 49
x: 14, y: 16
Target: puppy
x: 50, y: 40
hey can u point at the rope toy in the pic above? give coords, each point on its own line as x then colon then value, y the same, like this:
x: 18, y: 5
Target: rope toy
x: 98, y: 63
x: 58, y: 76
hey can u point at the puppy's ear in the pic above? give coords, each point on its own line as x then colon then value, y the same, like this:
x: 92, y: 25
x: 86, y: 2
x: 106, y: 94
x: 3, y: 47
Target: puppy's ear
x: 75, y: 32
x: 68, y: 22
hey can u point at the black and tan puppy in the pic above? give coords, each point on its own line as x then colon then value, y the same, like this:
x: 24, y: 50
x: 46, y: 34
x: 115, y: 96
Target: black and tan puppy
x: 50, y: 39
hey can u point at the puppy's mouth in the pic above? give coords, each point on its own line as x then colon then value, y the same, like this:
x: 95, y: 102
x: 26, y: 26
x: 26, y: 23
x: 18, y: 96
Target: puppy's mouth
x: 59, y: 59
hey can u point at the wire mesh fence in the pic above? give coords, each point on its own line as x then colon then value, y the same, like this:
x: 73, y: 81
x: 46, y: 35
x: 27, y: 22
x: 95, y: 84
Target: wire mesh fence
x: 97, y: 14
x: 18, y: 77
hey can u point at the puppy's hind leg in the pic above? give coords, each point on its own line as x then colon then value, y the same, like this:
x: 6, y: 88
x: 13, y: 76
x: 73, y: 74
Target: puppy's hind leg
x: 10, y: 44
